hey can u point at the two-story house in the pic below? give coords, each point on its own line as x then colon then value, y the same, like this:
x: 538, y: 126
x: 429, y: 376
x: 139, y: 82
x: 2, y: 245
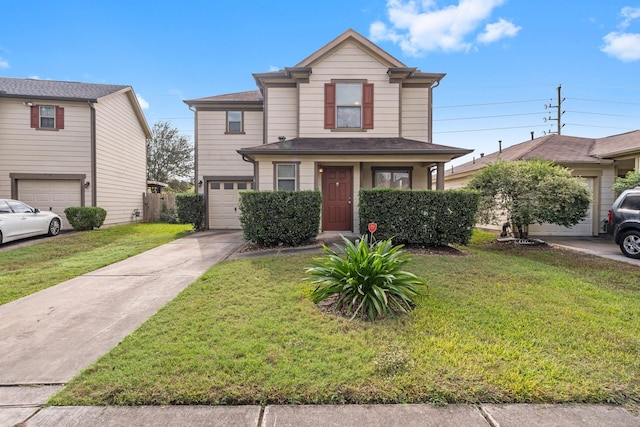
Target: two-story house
x: 349, y: 116
x: 73, y: 144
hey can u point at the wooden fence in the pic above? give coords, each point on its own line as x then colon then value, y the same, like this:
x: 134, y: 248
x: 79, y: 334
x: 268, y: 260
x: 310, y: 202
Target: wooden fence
x: 154, y: 203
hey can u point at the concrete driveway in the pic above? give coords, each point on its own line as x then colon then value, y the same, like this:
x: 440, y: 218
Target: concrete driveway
x: 46, y: 338
x: 598, y: 246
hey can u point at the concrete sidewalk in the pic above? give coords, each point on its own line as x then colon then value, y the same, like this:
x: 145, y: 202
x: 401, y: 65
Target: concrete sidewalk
x: 48, y: 337
x: 337, y: 415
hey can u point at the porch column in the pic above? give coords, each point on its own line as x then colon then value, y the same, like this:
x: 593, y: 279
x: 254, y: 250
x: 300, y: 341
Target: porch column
x: 440, y: 176
x: 429, y: 178
x: 637, y: 164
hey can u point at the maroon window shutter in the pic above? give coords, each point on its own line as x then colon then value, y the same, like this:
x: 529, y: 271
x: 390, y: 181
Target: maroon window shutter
x: 367, y: 106
x: 59, y: 118
x: 35, y: 116
x: 329, y: 105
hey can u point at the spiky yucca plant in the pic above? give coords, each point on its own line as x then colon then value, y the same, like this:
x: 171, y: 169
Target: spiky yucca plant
x: 368, y: 278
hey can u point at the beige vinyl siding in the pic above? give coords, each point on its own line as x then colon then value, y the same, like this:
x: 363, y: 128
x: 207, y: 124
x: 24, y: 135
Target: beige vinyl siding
x: 607, y: 196
x: 457, y: 182
x: 27, y: 150
x: 121, y: 158
x: 282, y: 113
x: 415, y: 115
x: 217, y: 151
x: 350, y: 62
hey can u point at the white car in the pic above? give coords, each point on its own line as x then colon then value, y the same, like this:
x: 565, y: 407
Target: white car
x: 19, y: 220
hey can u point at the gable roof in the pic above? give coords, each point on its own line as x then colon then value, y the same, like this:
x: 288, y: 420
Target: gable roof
x: 229, y: 98
x: 359, y: 146
x: 561, y: 149
x: 351, y: 35
x: 616, y: 145
x: 52, y: 89
x: 11, y: 87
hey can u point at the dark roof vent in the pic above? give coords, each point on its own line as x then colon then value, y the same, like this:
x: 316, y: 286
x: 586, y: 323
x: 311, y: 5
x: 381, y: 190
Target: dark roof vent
x: 282, y: 138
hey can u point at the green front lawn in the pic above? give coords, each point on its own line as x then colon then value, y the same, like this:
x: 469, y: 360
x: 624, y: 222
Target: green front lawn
x: 30, y: 269
x: 496, y: 325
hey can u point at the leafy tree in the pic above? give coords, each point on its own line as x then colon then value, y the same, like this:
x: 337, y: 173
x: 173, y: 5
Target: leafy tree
x: 179, y: 186
x: 528, y: 192
x: 631, y: 180
x: 169, y: 154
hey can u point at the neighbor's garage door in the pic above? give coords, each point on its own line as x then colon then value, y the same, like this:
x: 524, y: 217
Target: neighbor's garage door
x: 223, y: 197
x: 583, y: 228
x: 54, y: 194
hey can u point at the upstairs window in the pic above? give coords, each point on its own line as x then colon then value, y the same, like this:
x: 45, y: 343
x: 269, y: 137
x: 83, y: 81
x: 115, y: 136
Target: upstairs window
x: 47, y: 117
x: 399, y: 178
x: 348, y: 105
x: 234, y: 122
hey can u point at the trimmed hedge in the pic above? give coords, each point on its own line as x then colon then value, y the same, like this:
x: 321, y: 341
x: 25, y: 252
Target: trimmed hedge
x: 270, y: 218
x: 420, y: 217
x: 84, y: 218
x: 190, y: 210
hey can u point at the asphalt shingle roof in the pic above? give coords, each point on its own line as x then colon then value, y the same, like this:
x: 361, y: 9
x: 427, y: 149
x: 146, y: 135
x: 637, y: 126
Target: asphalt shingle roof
x: 248, y: 96
x: 353, y: 146
x: 558, y: 149
x: 51, y: 89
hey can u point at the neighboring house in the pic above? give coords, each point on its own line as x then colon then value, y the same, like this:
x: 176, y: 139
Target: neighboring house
x: 73, y: 144
x: 598, y: 161
x: 349, y: 116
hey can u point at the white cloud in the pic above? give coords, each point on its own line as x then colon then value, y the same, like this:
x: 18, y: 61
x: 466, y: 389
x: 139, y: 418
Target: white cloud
x: 498, y: 30
x: 629, y: 14
x: 623, y: 46
x: 273, y: 68
x: 421, y: 27
x: 4, y: 63
x: 143, y: 103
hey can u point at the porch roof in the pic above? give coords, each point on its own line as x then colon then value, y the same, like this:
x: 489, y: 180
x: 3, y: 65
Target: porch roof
x: 354, y: 146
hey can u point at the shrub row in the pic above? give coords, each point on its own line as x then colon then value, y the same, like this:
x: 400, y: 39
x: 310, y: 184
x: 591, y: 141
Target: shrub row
x: 190, y: 209
x: 420, y: 217
x: 270, y: 218
x: 83, y: 218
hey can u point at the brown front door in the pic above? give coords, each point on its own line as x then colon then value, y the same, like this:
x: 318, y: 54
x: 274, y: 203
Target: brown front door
x: 337, y: 188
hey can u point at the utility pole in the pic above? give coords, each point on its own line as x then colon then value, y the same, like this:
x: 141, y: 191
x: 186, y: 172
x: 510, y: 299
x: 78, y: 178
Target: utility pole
x: 559, y: 124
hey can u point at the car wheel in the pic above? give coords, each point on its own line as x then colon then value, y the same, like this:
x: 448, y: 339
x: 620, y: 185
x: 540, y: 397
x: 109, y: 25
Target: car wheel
x: 54, y: 227
x: 0, y: 238
x: 630, y: 244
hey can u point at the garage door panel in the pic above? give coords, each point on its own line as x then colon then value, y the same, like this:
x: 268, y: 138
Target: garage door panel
x: 51, y: 194
x: 223, y: 199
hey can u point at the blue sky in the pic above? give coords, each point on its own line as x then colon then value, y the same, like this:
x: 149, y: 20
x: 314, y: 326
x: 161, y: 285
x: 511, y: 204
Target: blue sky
x: 504, y: 59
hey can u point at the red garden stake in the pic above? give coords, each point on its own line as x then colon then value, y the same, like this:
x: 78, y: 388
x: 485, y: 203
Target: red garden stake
x: 372, y: 227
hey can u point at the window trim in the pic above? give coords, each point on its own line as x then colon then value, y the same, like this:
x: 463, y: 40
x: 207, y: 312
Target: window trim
x: 36, y: 117
x: 296, y: 178
x: 331, y: 107
x: 392, y: 169
x: 227, y: 121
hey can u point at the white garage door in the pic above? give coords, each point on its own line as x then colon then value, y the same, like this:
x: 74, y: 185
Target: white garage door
x: 55, y: 194
x: 223, y: 197
x: 583, y: 228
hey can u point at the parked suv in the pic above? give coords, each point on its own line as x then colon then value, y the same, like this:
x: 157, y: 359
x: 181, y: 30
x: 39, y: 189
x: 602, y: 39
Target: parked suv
x: 624, y: 222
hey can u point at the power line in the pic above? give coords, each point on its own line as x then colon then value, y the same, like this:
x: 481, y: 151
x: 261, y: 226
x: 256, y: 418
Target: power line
x: 488, y: 103
x: 596, y: 126
x: 610, y: 102
x: 486, y: 117
x: 602, y: 114
x: 486, y: 129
